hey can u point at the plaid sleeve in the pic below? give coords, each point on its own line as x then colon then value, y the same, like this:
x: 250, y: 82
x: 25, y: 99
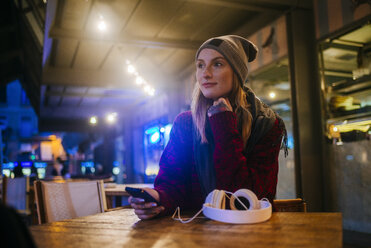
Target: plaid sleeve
x: 171, y: 179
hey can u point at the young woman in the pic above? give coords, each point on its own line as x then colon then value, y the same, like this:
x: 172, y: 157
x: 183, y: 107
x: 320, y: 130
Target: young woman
x: 230, y: 140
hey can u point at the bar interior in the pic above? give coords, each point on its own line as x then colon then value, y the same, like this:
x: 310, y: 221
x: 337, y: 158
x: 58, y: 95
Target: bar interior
x: 92, y: 91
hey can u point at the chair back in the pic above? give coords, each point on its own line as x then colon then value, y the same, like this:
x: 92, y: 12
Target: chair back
x: 290, y: 205
x: 15, y: 192
x: 66, y: 200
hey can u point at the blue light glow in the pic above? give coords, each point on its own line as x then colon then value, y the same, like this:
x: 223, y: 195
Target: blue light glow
x: 88, y: 164
x: 26, y: 164
x: 155, y: 137
x: 290, y: 142
x: 40, y: 164
x: 9, y: 165
x: 152, y: 130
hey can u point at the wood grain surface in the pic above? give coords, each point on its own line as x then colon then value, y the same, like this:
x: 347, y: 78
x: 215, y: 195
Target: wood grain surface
x: 122, y: 228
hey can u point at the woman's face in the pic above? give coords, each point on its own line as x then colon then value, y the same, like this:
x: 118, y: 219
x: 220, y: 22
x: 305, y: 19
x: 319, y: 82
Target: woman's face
x: 214, y: 74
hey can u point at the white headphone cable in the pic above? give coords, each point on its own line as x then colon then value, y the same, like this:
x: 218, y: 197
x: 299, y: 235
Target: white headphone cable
x: 177, y: 210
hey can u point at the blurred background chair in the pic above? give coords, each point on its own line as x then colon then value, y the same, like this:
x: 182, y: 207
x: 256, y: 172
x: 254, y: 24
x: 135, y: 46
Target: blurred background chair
x: 65, y: 200
x: 15, y: 193
x: 290, y: 205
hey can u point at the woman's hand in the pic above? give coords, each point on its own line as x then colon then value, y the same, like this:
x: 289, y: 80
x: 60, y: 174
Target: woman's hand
x: 220, y: 105
x: 146, y: 210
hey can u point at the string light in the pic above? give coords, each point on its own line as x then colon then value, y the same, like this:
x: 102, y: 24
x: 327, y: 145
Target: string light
x: 131, y: 69
x: 140, y: 80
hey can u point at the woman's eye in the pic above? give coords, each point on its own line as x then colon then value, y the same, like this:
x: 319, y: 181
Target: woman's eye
x: 200, y: 65
x: 217, y: 64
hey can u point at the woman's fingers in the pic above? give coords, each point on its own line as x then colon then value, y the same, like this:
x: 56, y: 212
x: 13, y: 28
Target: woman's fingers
x: 148, y: 213
x: 146, y: 205
x: 145, y: 210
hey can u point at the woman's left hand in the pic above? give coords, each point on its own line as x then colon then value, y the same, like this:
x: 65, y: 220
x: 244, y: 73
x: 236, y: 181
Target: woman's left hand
x: 220, y: 105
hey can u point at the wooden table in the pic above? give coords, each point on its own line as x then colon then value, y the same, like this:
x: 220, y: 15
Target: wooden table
x: 122, y: 228
x: 113, y: 190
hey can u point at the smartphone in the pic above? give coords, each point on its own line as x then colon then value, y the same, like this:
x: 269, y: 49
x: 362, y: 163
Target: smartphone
x: 140, y: 193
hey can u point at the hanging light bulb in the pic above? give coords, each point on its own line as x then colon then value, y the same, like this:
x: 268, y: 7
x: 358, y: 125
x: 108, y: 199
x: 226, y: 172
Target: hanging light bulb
x: 93, y: 120
x: 131, y: 69
x: 272, y: 95
x: 139, y: 80
x: 102, y: 25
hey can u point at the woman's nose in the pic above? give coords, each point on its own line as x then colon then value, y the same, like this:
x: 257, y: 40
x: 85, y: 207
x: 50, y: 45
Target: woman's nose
x: 207, y: 72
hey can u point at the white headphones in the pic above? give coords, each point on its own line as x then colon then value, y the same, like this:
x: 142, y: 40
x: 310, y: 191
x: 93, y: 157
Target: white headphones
x: 215, y: 208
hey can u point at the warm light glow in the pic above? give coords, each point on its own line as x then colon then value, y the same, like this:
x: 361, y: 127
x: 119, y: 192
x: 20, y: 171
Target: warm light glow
x: 131, y: 69
x: 116, y: 170
x: 139, y: 80
x: 111, y: 118
x: 152, y: 171
x: 272, y: 95
x: 102, y: 25
x: 147, y: 88
x: 93, y: 120
x: 335, y: 129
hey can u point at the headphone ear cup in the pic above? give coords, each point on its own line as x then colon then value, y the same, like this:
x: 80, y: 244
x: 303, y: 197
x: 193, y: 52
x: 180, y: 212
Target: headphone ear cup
x: 210, y: 199
x: 249, y: 195
x: 216, y: 199
x: 220, y: 200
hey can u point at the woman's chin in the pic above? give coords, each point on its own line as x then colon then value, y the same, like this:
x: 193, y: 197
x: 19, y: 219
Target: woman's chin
x: 211, y: 95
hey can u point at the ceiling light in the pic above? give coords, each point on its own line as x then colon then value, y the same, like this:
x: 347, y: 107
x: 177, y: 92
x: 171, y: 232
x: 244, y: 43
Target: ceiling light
x: 111, y: 118
x: 131, y: 69
x: 272, y: 95
x: 139, y: 80
x: 151, y: 92
x: 93, y: 120
x: 102, y: 25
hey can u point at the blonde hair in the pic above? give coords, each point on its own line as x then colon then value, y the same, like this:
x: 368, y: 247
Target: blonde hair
x: 237, y: 97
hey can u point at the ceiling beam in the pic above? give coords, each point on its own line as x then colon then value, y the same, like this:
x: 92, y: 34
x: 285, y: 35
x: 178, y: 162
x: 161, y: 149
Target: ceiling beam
x: 87, y: 95
x: 60, y: 33
x: 260, y: 21
x: 306, y: 4
x: 246, y: 5
x: 85, y: 112
x: 78, y: 112
x: 90, y: 78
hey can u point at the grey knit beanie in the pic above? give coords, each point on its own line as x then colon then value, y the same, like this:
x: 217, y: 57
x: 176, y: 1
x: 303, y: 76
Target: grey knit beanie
x: 237, y: 50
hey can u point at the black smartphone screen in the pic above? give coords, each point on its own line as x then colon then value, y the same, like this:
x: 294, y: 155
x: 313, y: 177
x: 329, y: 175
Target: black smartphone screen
x: 140, y: 193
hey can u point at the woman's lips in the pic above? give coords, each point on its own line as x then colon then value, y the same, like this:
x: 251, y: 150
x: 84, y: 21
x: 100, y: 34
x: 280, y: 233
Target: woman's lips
x: 208, y: 85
